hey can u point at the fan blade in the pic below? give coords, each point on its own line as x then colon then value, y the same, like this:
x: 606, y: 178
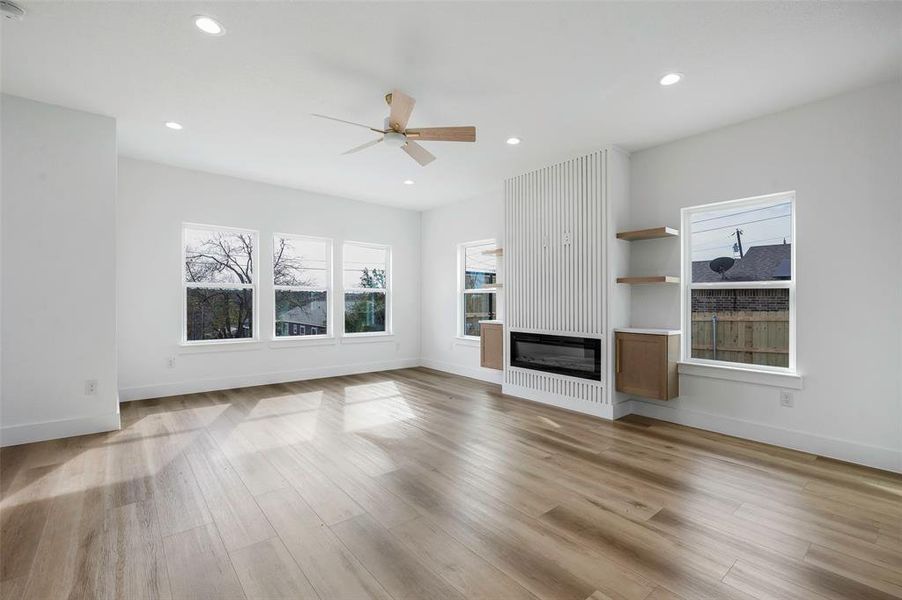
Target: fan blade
x: 401, y: 107
x: 362, y: 147
x: 348, y: 122
x: 443, y: 134
x: 418, y: 153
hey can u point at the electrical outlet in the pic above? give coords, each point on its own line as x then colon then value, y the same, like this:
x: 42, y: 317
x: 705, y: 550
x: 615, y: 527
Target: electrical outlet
x: 90, y: 387
x: 170, y: 362
x: 787, y: 399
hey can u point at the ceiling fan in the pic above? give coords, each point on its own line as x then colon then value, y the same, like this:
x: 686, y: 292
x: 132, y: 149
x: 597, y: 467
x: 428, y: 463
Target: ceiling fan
x: 396, y: 134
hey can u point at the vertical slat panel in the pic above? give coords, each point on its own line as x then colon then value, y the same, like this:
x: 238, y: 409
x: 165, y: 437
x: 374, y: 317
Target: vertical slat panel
x: 593, y: 265
x: 554, y: 260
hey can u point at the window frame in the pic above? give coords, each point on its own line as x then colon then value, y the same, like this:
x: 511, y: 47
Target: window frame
x: 330, y: 331
x: 386, y: 291
x: 462, y: 290
x: 687, y: 285
x: 253, y: 286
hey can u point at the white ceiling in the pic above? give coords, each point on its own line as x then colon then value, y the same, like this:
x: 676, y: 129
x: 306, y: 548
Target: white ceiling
x: 567, y: 78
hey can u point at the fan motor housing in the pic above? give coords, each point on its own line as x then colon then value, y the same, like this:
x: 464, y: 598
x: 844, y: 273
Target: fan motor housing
x: 395, y: 139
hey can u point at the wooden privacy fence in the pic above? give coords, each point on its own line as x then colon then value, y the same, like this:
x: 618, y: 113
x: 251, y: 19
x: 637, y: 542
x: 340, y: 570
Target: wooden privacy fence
x: 755, y: 337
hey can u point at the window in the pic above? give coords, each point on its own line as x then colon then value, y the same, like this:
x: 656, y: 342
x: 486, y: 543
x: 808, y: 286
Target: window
x: 478, y: 268
x: 219, y: 284
x: 366, y: 279
x: 302, y: 278
x: 739, y: 282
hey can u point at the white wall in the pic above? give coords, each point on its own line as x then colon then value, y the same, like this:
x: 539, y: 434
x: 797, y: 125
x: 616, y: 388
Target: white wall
x: 442, y: 229
x: 843, y: 157
x: 154, y: 201
x: 59, y: 287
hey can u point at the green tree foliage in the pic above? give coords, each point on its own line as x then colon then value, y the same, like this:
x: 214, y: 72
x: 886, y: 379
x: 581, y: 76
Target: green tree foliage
x: 372, y: 278
x: 365, y: 311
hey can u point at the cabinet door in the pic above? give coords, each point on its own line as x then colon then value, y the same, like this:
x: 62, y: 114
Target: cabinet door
x: 492, y: 346
x: 641, y: 365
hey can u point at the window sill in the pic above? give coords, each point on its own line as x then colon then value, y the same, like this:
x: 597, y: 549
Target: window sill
x: 782, y: 379
x: 219, y: 346
x: 364, y: 338
x: 301, y: 341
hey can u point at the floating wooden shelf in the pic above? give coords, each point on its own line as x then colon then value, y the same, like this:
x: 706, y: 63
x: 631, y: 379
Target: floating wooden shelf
x: 492, y: 286
x: 648, y: 234
x: 495, y: 252
x: 652, y: 279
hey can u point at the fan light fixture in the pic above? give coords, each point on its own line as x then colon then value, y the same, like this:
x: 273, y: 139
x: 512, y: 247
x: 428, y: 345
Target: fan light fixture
x: 670, y: 79
x: 394, y: 139
x: 208, y: 25
x: 513, y: 141
x: 174, y: 125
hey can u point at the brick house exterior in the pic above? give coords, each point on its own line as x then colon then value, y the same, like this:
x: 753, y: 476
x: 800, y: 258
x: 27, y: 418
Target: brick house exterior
x: 760, y: 263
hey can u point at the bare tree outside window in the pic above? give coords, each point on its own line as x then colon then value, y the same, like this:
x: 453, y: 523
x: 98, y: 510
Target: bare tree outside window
x: 219, y: 284
x: 301, y: 277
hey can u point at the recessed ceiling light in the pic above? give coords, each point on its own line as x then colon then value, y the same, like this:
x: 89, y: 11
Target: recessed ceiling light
x: 513, y: 141
x: 208, y: 25
x: 408, y: 182
x: 671, y: 78
x: 173, y: 125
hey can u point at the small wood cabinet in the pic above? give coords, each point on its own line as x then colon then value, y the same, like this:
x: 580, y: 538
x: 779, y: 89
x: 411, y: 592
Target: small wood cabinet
x: 491, y: 345
x: 646, y: 364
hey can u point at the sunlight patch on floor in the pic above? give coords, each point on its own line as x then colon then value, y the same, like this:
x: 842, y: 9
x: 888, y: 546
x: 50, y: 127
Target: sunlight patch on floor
x: 376, y: 412
x: 280, y: 405
x: 207, y: 415
x: 370, y: 391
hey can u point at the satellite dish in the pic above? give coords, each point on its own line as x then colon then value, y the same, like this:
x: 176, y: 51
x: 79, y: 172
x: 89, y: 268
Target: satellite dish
x: 722, y: 265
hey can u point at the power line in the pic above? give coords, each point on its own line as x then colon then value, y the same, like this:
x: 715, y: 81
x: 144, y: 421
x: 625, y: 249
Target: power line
x: 745, y: 223
x: 719, y: 244
x: 742, y: 212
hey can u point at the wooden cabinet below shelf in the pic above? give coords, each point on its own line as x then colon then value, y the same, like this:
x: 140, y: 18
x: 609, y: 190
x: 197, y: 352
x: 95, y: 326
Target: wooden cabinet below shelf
x: 491, y: 345
x: 646, y: 365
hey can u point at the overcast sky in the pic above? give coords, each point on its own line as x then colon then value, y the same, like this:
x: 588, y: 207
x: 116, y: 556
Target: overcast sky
x: 714, y: 232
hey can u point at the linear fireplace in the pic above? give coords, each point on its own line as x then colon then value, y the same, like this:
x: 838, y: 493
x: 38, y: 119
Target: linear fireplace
x: 565, y: 355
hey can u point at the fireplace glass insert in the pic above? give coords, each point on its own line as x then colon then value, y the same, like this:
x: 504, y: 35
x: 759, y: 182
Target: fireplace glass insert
x: 561, y: 354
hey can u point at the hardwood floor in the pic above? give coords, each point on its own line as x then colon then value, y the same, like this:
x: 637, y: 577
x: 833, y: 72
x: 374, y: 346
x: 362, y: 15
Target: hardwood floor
x: 416, y: 484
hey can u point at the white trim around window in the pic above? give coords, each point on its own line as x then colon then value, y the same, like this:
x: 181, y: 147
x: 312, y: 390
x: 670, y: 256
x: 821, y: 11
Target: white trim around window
x: 386, y: 291
x: 721, y: 368
x: 252, y: 286
x: 463, y: 291
x: 327, y: 289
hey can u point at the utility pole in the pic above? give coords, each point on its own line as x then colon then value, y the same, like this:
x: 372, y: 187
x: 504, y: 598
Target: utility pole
x: 738, y: 235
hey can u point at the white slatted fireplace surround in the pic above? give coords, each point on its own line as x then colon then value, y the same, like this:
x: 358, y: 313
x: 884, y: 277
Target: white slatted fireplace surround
x: 557, y: 232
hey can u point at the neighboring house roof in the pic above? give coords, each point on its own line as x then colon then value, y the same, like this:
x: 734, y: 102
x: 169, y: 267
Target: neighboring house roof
x: 311, y: 314
x: 760, y: 263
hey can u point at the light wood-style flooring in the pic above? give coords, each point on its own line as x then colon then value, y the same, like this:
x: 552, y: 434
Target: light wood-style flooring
x: 415, y: 484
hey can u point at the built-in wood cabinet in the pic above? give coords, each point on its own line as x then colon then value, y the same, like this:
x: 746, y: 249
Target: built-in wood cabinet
x: 646, y: 364
x: 491, y: 345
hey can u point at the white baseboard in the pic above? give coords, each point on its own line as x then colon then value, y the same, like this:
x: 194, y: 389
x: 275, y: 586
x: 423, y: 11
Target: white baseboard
x: 887, y: 459
x: 605, y: 411
x: 239, y: 381
x: 489, y: 375
x: 621, y: 409
x: 13, y: 435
